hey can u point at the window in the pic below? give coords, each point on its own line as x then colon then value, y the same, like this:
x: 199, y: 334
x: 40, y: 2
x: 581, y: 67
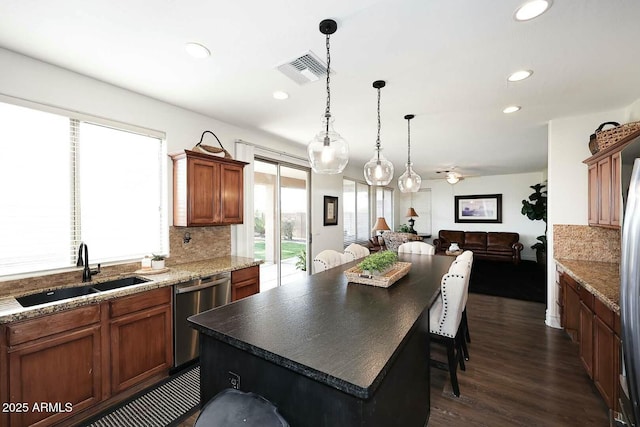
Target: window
x: 65, y: 180
x: 357, y: 226
x: 384, y: 205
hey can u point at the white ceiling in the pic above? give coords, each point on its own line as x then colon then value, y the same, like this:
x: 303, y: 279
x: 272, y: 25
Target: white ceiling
x: 445, y: 61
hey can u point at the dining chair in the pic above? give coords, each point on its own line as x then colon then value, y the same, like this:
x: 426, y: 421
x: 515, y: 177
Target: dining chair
x: 327, y: 259
x: 355, y: 251
x: 416, y: 248
x: 466, y: 256
x: 445, y: 316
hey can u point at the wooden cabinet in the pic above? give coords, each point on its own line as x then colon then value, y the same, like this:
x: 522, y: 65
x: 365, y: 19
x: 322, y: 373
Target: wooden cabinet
x: 598, y: 335
x: 245, y: 282
x: 54, y: 359
x: 141, y: 337
x: 73, y: 360
x: 606, y: 181
x: 207, y: 190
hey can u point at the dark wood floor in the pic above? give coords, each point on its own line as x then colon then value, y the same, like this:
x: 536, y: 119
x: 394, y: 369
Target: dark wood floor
x: 521, y: 373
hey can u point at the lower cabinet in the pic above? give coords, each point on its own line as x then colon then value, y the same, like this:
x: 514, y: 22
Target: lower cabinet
x: 598, y: 335
x: 245, y: 282
x: 141, y: 344
x: 57, y: 365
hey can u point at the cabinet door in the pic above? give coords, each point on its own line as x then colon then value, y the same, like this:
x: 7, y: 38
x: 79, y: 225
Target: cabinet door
x: 604, y: 178
x: 616, y: 190
x: 594, y: 200
x: 64, y: 368
x: 203, y: 182
x: 245, y: 282
x: 604, y: 366
x: 586, y: 338
x: 571, y: 307
x: 141, y: 346
x: 232, y: 194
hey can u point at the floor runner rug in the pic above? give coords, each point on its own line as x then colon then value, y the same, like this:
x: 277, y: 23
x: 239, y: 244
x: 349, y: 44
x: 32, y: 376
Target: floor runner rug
x: 526, y: 281
x: 163, y: 405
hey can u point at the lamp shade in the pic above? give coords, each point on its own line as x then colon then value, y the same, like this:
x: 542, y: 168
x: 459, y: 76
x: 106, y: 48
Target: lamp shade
x: 411, y: 213
x: 381, y: 225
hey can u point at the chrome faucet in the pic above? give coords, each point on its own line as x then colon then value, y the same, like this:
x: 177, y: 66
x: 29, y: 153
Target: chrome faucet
x: 87, y: 272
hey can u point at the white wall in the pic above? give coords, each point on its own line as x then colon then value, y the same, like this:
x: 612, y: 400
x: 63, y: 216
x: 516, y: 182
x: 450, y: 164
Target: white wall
x: 33, y: 80
x: 514, y: 188
x: 568, y: 183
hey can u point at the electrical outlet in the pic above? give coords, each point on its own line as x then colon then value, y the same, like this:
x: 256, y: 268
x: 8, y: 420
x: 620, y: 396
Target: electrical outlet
x: 234, y: 380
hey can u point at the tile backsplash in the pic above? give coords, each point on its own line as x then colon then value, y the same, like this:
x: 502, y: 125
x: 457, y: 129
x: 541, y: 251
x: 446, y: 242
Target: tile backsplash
x: 586, y: 243
x: 205, y: 243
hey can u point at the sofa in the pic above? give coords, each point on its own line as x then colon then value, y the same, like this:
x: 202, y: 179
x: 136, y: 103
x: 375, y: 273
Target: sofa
x: 393, y: 239
x: 492, y: 245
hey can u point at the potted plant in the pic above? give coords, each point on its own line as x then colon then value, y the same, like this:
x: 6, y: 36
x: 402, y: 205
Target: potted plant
x: 536, y: 209
x: 301, y: 263
x: 404, y: 228
x: 378, y: 263
x: 157, y: 262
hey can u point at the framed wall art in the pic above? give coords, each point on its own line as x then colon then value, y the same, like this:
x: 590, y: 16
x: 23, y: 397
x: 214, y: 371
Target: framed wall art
x: 478, y: 208
x: 330, y: 210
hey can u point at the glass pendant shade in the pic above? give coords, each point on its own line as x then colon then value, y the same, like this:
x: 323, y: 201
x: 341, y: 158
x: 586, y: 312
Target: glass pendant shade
x: 409, y: 181
x: 378, y: 170
x: 328, y: 151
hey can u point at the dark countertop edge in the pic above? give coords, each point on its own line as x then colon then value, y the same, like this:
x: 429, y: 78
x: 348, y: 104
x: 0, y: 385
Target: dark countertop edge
x: 592, y: 289
x: 314, y: 374
x: 22, y: 313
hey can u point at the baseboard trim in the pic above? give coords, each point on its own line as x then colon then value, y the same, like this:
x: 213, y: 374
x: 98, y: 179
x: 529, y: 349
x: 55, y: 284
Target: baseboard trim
x: 552, y: 320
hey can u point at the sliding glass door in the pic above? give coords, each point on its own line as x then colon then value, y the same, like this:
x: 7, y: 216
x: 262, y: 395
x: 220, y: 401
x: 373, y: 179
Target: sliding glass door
x: 281, y: 204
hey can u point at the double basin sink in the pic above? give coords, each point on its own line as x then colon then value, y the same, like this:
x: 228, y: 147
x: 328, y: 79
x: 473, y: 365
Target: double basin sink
x: 76, y: 291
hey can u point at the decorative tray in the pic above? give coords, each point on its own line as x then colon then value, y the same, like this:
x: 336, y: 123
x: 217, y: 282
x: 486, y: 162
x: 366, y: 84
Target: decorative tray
x: 395, y: 273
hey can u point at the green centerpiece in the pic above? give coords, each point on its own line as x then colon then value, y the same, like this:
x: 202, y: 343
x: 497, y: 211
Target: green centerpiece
x: 378, y: 263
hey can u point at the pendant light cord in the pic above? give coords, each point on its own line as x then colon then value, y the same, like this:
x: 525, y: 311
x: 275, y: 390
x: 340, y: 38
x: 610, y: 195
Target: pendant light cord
x: 409, y: 141
x: 327, y: 112
x: 378, y: 139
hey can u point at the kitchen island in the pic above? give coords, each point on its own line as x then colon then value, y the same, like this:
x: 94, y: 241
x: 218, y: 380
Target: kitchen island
x: 327, y: 352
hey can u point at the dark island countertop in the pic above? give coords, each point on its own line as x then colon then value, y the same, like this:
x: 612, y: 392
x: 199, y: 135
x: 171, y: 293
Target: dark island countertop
x: 342, y: 334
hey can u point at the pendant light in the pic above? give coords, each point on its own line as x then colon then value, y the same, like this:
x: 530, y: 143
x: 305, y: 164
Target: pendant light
x: 409, y: 181
x: 328, y: 151
x: 378, y: 170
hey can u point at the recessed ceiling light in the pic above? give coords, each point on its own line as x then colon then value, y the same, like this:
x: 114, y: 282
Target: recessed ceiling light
x: 197, y: 50
x: 280, y: 95
x: 511, y: 109
x: 519, y: 75
x: 532, y: 9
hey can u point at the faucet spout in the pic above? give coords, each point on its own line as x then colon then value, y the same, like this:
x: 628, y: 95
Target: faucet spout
x: 86, y: 272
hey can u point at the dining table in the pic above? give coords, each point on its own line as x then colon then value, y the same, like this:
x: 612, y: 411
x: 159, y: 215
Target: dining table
x: 326, y: 351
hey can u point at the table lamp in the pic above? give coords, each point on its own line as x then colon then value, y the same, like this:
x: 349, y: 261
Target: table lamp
x: 381, y: 225
x: 410, y: 214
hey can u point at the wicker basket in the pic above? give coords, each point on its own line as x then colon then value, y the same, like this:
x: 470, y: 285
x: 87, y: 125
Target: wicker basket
x: 398, y: 270
x: 606, y: 138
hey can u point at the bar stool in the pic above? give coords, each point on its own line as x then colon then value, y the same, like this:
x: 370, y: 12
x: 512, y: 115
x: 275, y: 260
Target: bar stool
x: 234, y: 408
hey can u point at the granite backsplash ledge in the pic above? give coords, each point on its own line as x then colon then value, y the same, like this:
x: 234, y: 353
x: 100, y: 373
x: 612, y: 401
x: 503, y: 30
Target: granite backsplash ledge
x: 582, y: 242
x: 205, y: 243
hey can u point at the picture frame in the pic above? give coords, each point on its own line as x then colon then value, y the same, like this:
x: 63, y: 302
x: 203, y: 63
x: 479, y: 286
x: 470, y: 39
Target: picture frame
x: 330, y: 210
x: 478, y: 208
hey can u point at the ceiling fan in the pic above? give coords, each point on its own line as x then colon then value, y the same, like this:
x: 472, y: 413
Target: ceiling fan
x: 451, y: 175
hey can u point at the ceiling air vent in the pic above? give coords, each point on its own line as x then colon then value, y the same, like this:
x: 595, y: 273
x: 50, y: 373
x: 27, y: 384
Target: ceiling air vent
x: 304, y: 69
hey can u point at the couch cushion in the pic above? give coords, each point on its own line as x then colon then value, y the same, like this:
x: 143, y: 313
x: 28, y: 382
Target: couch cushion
x: 450, y: 236
x: 501, y: 240
x: 475, y: 240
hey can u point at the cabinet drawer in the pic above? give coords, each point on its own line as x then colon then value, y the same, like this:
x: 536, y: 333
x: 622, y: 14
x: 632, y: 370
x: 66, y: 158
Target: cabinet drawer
x: 32, y: 329
x: 586, y: 297
x: 604, y: 313
x: 245, y: 274
x: 133, y: 303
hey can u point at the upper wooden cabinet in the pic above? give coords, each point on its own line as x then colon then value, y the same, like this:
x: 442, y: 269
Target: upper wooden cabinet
x: 608, y: 181
x: 207, y: 190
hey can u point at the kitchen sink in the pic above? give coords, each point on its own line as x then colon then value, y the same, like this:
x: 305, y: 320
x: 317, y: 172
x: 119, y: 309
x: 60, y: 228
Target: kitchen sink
x: 55, y: 295
x: 66, y: 293
x: 119, y: 283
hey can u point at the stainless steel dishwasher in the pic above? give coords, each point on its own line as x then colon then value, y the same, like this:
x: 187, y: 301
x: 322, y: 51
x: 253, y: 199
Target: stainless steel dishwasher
x: 192, y: 298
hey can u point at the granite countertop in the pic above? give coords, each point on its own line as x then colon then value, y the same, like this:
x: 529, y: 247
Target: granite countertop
x: 11, y: 310
x: 600, y: 278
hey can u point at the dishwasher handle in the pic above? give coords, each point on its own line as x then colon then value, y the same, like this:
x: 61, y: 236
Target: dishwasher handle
x: 204, y: 283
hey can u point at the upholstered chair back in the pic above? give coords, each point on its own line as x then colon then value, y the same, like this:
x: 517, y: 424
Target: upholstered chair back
x: 446, y: 312
x: 416, y: 248
x: 355, y: 251
x: 327, y: 259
